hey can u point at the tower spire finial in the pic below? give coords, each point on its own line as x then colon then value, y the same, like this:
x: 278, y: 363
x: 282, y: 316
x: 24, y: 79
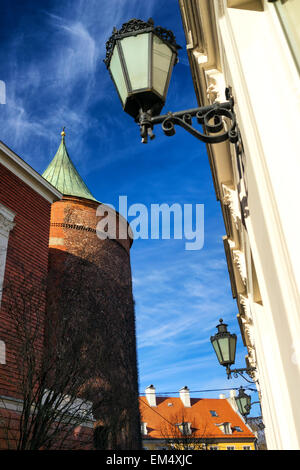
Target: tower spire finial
x: 62, y: 174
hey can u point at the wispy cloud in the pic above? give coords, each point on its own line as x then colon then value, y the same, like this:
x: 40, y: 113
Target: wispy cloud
x: 55, y: 77
x: 178, y: 305
x: 48, y: 91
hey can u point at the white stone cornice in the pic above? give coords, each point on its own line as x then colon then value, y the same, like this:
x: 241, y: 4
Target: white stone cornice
x: 244, y: 301
x: 231, y: 244
x: 16, y: 404
x: 7, y: 213
x: 251, y: 362
x: 6, y: 220
x: 240, y: 263
x: 212, y: 93
x: 248, y: 332
x: 215, y: 91
x: 5, y: 225
x: 230, y: 199
x: 252, y: 356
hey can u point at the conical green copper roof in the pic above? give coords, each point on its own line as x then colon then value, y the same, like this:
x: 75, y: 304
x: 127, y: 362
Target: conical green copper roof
x: 62, y: 174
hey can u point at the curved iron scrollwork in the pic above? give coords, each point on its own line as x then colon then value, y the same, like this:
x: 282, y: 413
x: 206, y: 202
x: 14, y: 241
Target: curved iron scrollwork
x: 166, y: 35
x: 240, y: 373
x: 135, y: 25
x: 138, y: 26
x: 211, y: 118
x: 260, y: 425
x: 217, y: 126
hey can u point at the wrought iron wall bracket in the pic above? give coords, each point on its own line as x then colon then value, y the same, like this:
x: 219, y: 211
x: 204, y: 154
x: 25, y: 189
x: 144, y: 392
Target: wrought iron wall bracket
x: 210, y: 117
x: 240, y: 372
x: 248, y: 409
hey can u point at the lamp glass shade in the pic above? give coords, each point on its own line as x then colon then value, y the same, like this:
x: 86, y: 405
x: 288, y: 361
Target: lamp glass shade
x: 161, y: 64
x: 218, y: 351
x: 232, y: 348
x: 140, y: 58
x: 243, y: 402
x: 136, y: 59
x: 224, y: 344
x: 118, y: 75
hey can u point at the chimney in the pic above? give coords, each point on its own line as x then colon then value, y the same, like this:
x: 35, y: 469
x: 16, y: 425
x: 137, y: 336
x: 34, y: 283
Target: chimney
x: 231, y: 400
x: 150, y: 395
x: 184, y: 394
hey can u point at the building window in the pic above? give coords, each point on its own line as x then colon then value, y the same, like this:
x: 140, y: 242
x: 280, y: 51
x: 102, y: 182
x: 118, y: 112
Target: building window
x: 225, y: 428
x: 238, y: 429
x: 185, y: 428
x: 6, y: 225
x: 213, y: 413
x: 289, y: 15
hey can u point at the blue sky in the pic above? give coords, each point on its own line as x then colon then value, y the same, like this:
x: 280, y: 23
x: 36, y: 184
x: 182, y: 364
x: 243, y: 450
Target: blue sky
x: 52, y: 64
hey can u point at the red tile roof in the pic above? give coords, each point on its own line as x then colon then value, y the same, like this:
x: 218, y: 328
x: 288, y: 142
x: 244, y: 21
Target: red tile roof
x: 170, y: 411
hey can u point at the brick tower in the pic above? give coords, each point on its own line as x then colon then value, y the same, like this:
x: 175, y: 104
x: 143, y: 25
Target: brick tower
x: 90, y: 278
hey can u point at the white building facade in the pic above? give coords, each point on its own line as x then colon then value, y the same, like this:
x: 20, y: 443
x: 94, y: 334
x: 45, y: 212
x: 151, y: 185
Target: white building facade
x: 253, y: 48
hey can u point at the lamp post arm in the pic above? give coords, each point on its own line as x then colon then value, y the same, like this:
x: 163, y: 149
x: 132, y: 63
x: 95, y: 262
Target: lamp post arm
x: 240, y: 372
x: 193, y: 111
x: 261, y: 425
x: 210, y: 117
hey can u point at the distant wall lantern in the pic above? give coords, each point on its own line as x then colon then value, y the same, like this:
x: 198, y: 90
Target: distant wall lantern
x: 243, y: 402
x: 140, y: 58
x: 224, y: 344
x: 244, y: 405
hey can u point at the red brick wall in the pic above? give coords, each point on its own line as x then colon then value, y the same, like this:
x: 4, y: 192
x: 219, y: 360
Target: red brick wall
x: 26, y: 266
x: 94, y: 285
x: 80, y: 438
x: 25, y: 282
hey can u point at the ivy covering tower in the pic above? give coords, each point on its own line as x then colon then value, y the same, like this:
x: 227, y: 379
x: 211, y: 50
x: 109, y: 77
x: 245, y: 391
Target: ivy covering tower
x: 90, y: 285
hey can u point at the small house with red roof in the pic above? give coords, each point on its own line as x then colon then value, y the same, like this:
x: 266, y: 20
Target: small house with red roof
x: 193, y: 423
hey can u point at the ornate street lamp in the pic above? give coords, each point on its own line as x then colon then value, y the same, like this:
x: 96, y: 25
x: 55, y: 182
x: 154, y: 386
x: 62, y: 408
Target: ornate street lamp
x: 224, y: 344
x: 243, y: 402
x: 244, y: 405
x: 140, y: 58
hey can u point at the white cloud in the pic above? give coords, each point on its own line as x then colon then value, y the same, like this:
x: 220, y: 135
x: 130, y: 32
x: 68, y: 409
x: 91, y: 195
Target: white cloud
x: 53, y: 81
